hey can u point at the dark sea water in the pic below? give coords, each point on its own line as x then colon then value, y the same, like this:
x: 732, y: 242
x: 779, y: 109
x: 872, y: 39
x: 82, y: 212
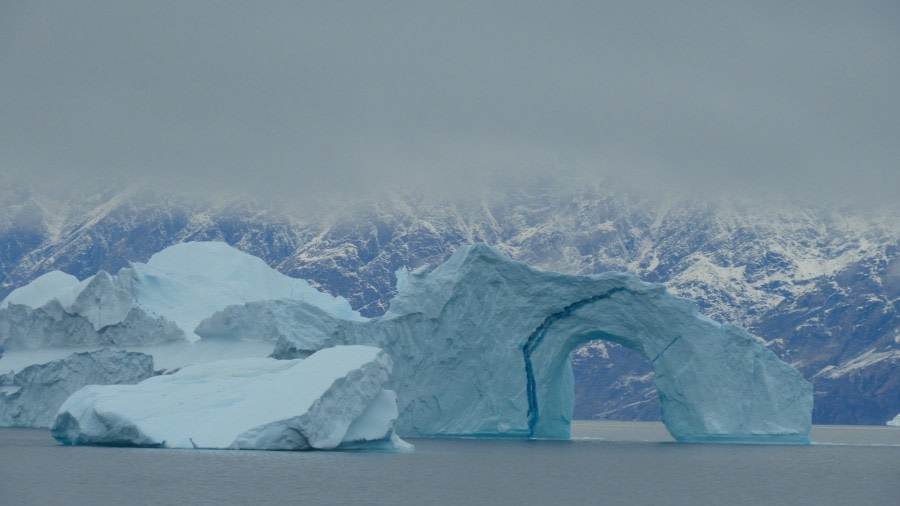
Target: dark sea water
x: 605, y: 463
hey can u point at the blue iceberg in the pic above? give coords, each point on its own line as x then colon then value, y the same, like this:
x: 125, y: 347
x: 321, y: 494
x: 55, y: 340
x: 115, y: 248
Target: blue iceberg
x: 481, y: 347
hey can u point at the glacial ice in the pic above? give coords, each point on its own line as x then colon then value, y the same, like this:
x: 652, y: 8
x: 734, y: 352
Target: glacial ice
x: 332, y: 399
x: 150, y: 308
x: 481, y: 347
x: 161, y: 301
x: 188, y: 282
x: 31, y: 397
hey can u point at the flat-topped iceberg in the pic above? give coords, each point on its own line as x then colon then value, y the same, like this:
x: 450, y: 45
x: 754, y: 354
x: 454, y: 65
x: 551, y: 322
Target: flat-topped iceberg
x: 335, y: 398
x: 481, y: 347
x: 161, y: 301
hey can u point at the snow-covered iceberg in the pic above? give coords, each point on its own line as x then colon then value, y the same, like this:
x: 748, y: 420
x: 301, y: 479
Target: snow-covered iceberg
x: 31, y: 397
x: 335, y: 398
x: 161, y: 301
x: 481, y: 347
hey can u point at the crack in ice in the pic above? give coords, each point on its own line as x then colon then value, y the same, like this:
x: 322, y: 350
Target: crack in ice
x: 535, y: 338
x: 665, y: 349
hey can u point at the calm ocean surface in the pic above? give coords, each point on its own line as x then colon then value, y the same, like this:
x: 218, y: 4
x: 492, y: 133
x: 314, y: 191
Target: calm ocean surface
x: 605, y: 463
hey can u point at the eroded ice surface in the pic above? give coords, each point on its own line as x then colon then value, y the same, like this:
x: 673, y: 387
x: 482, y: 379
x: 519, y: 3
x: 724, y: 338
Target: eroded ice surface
x: 333, y: 398
x: 481, y: 347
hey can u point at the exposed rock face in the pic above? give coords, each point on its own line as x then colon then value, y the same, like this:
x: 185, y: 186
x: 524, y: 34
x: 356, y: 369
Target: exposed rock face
x: 482, y: 343
x: 31, y: 397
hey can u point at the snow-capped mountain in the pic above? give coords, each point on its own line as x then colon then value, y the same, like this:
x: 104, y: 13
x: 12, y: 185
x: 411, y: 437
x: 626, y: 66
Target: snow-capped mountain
x: 819, y: 284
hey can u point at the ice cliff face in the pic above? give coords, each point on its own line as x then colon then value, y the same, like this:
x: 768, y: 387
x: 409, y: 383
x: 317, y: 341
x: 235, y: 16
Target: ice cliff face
x: 32, y: 397
x: 482, y: 343
x: 333, y: 399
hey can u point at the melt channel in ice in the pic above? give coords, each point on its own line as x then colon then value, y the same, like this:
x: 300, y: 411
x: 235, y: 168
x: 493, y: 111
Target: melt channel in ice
x: 481, y: 347
x: 332, y: 399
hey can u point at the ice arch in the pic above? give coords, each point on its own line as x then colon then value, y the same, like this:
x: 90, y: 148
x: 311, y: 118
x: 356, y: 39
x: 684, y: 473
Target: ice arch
x: 481, y: 348
x: 715, y: 382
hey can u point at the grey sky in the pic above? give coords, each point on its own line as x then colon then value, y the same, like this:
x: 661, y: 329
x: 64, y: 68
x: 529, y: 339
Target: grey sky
x: 304, y: 95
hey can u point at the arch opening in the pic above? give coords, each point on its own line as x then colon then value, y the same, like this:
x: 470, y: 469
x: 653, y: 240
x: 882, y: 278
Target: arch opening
x: 552, y: 404
x: 714, y: 382
x: 613, y: 383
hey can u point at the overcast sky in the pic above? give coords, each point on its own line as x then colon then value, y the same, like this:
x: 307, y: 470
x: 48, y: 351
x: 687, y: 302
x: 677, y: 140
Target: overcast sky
x: 343, y: 95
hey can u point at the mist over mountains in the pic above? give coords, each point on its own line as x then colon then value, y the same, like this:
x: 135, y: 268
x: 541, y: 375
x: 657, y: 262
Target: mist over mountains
x: 819, y: 283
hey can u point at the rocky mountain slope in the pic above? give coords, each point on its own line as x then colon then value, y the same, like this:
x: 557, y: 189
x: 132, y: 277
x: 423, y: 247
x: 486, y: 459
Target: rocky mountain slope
x: 819, y: 284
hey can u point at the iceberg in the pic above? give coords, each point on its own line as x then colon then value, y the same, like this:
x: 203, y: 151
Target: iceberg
x: 187, y: 282
x: 31, y: 397
x: 56, y: 326
x: 155, y: 303
x: 481, y: 348
x: 895, y: 422
x: 41, y: 290
x: 151, y: 308
x: 334, y: 399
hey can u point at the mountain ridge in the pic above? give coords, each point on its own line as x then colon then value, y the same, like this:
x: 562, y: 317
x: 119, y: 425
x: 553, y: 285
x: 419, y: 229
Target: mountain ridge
x: 821, y: 285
